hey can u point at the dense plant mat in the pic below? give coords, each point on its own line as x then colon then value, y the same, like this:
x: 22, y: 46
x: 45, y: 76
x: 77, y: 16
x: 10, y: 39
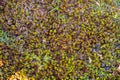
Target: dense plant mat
x: 59, y: 39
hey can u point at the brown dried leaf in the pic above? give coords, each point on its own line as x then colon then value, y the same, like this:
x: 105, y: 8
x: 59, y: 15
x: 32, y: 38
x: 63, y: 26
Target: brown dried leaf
x: 118, y: 69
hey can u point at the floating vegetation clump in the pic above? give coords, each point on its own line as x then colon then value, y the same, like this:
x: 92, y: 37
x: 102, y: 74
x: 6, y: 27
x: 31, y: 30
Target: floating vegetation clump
x: 59, y: 39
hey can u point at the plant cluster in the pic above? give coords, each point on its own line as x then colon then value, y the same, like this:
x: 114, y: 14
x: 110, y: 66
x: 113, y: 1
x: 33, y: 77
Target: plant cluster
x: 60, y: 39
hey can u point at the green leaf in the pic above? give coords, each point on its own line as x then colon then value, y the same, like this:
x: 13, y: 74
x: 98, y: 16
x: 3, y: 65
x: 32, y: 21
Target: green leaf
x: 116, y: 16
x: 47, y: 58
x: 27, y: 12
